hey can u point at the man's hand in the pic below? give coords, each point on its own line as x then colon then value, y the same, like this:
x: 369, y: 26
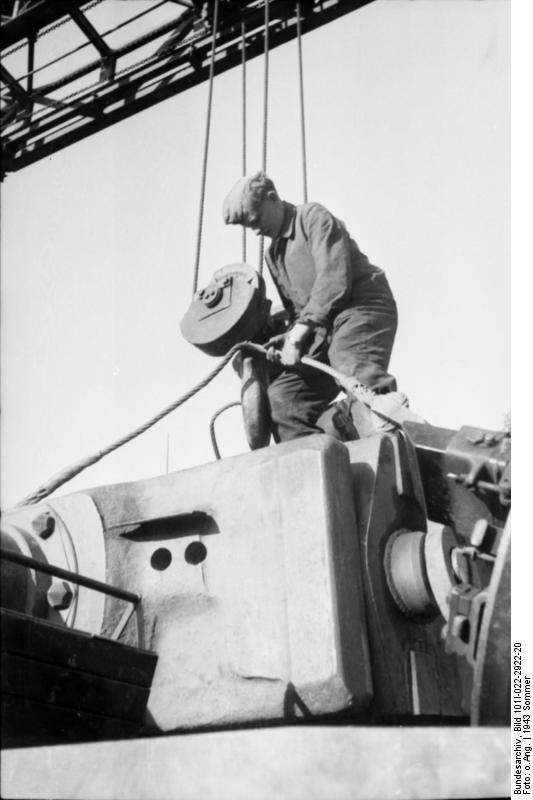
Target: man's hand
x: 286, y: 348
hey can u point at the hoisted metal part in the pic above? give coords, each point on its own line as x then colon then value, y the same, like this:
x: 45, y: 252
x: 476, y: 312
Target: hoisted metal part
x: 232, y: 308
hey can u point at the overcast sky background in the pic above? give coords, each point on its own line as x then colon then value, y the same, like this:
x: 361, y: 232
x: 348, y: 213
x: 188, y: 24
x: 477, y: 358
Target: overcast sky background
x: 408, y: 138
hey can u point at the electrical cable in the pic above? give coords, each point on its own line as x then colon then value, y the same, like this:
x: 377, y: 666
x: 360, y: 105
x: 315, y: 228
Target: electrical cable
x: 206, y: 150
x: 350, y: 385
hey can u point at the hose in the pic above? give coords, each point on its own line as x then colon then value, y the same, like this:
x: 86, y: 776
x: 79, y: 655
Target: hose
x: 214, y: 418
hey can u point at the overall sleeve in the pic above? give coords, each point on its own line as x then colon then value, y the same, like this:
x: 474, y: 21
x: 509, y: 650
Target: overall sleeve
x: 287, y: 303
x: 329, y: 245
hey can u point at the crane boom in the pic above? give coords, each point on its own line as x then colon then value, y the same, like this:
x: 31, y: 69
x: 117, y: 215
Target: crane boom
x: 40, y: 116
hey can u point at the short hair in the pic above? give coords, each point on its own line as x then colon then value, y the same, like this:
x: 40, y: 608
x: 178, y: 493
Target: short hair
x: 248, y: 193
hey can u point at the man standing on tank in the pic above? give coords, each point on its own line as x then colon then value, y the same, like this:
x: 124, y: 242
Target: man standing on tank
x: 340, y: 306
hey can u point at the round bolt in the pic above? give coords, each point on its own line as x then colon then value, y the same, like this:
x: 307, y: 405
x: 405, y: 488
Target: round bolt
x: 212, y: 295
x: 44, y: 525
x: 60, y: 594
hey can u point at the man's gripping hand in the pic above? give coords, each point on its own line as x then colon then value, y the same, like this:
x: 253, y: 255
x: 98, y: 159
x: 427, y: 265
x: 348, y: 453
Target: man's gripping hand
x: 286, y: 348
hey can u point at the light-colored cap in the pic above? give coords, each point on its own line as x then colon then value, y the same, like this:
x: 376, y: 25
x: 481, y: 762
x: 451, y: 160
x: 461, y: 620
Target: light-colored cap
x: 237, y: 202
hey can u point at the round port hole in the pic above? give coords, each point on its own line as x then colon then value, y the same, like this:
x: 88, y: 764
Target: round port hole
x: 161, y: 558
x: 195, y: 553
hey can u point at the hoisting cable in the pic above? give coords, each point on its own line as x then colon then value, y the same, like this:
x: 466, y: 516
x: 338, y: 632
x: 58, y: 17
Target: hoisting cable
x: 302, y: 109
x: 206, y: 149
x: 243, y: 71
x: 71, y: 471
x: 350, y: 385
x: 214, y: 418
x: 265, y: 120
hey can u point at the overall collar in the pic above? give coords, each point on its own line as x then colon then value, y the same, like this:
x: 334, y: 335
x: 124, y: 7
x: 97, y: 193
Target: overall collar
x: 289, y: 220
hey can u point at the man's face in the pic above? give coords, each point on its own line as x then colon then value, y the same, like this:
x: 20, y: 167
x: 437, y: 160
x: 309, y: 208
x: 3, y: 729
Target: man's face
x: 266, y: 218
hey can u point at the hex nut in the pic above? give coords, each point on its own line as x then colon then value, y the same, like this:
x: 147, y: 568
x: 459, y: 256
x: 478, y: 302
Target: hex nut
x: 44, y: 525
x: 60, y: 594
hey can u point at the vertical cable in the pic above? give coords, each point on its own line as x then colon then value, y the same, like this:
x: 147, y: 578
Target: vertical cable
x: 265, y: 121
x: 206, y: 149
x: 243, y: 37
x: 302, y: 109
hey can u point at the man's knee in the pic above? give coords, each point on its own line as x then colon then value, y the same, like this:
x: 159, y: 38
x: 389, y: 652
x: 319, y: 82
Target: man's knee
x: 373, y: 375
x: 376, y: 378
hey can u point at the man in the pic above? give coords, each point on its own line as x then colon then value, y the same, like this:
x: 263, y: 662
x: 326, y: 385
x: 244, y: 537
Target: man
x: 340, y: 306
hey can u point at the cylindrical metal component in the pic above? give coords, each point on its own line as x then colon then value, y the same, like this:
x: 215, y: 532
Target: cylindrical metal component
x: 407, y: 576
x: 46, y: 548
x: 23, y: 589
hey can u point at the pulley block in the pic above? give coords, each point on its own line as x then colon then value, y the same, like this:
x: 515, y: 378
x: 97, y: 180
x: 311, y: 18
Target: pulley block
x: 232, y: 308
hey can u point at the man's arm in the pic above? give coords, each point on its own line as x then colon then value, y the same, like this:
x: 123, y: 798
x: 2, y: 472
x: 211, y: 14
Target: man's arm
x: 330, y: 248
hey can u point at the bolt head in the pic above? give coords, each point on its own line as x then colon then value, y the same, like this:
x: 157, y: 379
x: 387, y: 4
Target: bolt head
x: 44, y: 524
x: 461, y: 628
x: 60, y: 594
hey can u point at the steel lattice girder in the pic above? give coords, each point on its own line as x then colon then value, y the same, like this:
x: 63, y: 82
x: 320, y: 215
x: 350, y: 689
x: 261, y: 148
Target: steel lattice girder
x: 36, y: 124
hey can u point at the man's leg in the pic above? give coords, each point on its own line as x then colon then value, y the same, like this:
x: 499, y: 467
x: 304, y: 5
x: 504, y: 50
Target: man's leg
x: 297, y: 399
x: 361, y: 346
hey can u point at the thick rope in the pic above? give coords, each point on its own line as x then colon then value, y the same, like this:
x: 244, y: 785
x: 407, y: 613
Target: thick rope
x: 350, y: 385
x: 206, y: 150
x: 243, y: 36
x: 302, y: 109
x: 214, y: 418
x: 265, y: 120
x: 71, y: 471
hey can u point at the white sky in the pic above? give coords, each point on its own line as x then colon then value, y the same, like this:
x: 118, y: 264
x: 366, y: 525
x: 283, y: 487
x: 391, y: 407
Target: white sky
x: 408, y: 142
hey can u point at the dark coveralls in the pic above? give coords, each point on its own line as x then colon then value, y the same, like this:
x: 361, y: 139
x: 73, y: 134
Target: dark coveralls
x: 326, y: 282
